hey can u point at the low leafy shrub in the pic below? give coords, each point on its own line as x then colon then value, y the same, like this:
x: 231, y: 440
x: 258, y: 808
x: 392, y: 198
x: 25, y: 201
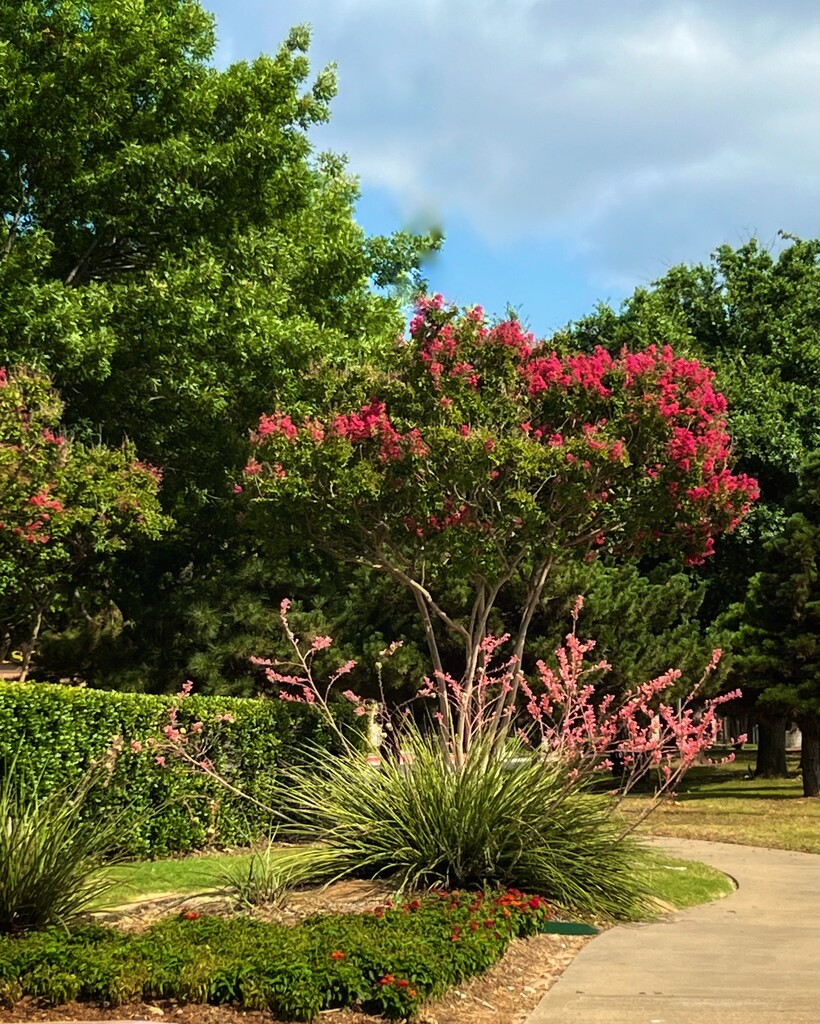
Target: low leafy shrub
x: 50, y: 858
x: 57, y: 732
x: 389, y: 961
x: 429, y: 822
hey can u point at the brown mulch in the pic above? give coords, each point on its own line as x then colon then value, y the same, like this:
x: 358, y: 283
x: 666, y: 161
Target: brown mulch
x: 505, y: 994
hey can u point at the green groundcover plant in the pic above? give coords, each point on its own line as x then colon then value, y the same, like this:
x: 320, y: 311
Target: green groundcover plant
x: 388, y: 960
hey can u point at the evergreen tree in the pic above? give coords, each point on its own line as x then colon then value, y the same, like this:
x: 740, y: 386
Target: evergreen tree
x: 778, y: 642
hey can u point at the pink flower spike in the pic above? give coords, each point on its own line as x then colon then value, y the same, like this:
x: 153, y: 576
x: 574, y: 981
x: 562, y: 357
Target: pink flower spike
x: 321, y: 643
x: 347, y: 667
x: 136, y: 746
x: 160, y: 761
x: 284, y: 606
x: 717, y: 654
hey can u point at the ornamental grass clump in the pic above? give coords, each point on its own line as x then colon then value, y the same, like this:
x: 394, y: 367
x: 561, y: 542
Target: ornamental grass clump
x: 50, y: 859
x: 421, y: 821
x: 448, y: 805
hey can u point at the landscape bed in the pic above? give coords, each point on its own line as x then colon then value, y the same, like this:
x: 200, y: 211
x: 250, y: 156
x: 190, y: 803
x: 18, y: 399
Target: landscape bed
x: 475, y: 955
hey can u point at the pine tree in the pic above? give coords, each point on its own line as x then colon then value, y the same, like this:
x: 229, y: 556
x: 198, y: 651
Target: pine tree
x: 779, y: 637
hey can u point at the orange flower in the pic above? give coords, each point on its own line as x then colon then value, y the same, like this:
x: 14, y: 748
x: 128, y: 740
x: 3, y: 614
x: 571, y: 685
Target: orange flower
x: 337, y: 955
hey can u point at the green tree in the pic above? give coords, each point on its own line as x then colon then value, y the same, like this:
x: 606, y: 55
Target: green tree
x: 65, y: 509
x: 174, y: 252
x: 754, y: 316
x: 778, y: 642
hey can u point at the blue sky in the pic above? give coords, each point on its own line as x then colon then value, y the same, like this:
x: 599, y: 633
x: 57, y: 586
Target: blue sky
x: 570, y: 149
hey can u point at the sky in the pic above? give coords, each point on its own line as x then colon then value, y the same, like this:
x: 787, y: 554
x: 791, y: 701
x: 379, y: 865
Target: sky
x: 571, y: 150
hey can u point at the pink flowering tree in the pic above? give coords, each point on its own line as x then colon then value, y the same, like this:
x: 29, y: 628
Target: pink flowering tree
x: 64, y: 508
x: 481, y: 460
x: 564, y: 715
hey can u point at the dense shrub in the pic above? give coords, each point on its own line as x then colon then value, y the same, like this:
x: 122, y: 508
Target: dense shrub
x: 388, y: 960
x: 57, y: 732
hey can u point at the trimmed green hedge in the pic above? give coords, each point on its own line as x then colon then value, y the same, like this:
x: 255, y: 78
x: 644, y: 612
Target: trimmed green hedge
x: 389, y: 961
x: 57, y: 732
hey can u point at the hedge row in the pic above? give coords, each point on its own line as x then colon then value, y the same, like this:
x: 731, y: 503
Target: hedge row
x: 388, y: 961
x: 53, y: 734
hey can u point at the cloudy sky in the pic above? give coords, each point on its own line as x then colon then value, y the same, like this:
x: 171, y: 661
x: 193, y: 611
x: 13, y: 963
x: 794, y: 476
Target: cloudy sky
x: 570, y: 149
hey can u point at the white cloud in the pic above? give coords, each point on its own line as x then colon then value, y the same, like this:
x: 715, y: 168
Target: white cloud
x: 636, y: 132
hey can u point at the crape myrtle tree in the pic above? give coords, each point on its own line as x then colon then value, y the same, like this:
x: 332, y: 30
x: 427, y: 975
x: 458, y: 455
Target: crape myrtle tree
x: 172, y: 253
x: 65, y: 509
x: 778, y: 640
x: 481, y: 457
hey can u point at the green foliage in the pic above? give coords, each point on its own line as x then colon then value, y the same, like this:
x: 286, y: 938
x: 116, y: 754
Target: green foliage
x: 488, y: 822
x: 57, y: 732
x: 778, y: 641
x: 65, y: 508
x: 261, y: 879
x: 51, y: 852
x: 389, y: 961
x: 173, y: 254
x: 754, y: 317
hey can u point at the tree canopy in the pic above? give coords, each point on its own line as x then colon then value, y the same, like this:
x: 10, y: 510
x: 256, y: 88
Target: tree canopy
x: 174, y: 253
x: 482, y: 457
x: 778, y: 639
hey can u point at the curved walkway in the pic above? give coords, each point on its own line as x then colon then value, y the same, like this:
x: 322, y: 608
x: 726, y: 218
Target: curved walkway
x: 751, y: 958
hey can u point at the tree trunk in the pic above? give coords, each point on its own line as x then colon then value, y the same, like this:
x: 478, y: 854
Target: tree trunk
x: 810, y: 728
x: 771, y: 747
x: 28, y: 649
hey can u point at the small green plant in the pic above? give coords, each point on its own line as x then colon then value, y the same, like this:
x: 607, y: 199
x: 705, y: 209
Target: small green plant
x: 264, y: 879
x: 50, y: 858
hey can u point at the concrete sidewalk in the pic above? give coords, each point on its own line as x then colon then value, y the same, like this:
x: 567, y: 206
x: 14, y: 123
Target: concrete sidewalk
x: 751, y: 958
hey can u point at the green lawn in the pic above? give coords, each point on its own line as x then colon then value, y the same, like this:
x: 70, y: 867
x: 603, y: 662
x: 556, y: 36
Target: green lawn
x: 141, y: 879
x: 686, y: 883
x: 722, y: 803
x: 677, y: 883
